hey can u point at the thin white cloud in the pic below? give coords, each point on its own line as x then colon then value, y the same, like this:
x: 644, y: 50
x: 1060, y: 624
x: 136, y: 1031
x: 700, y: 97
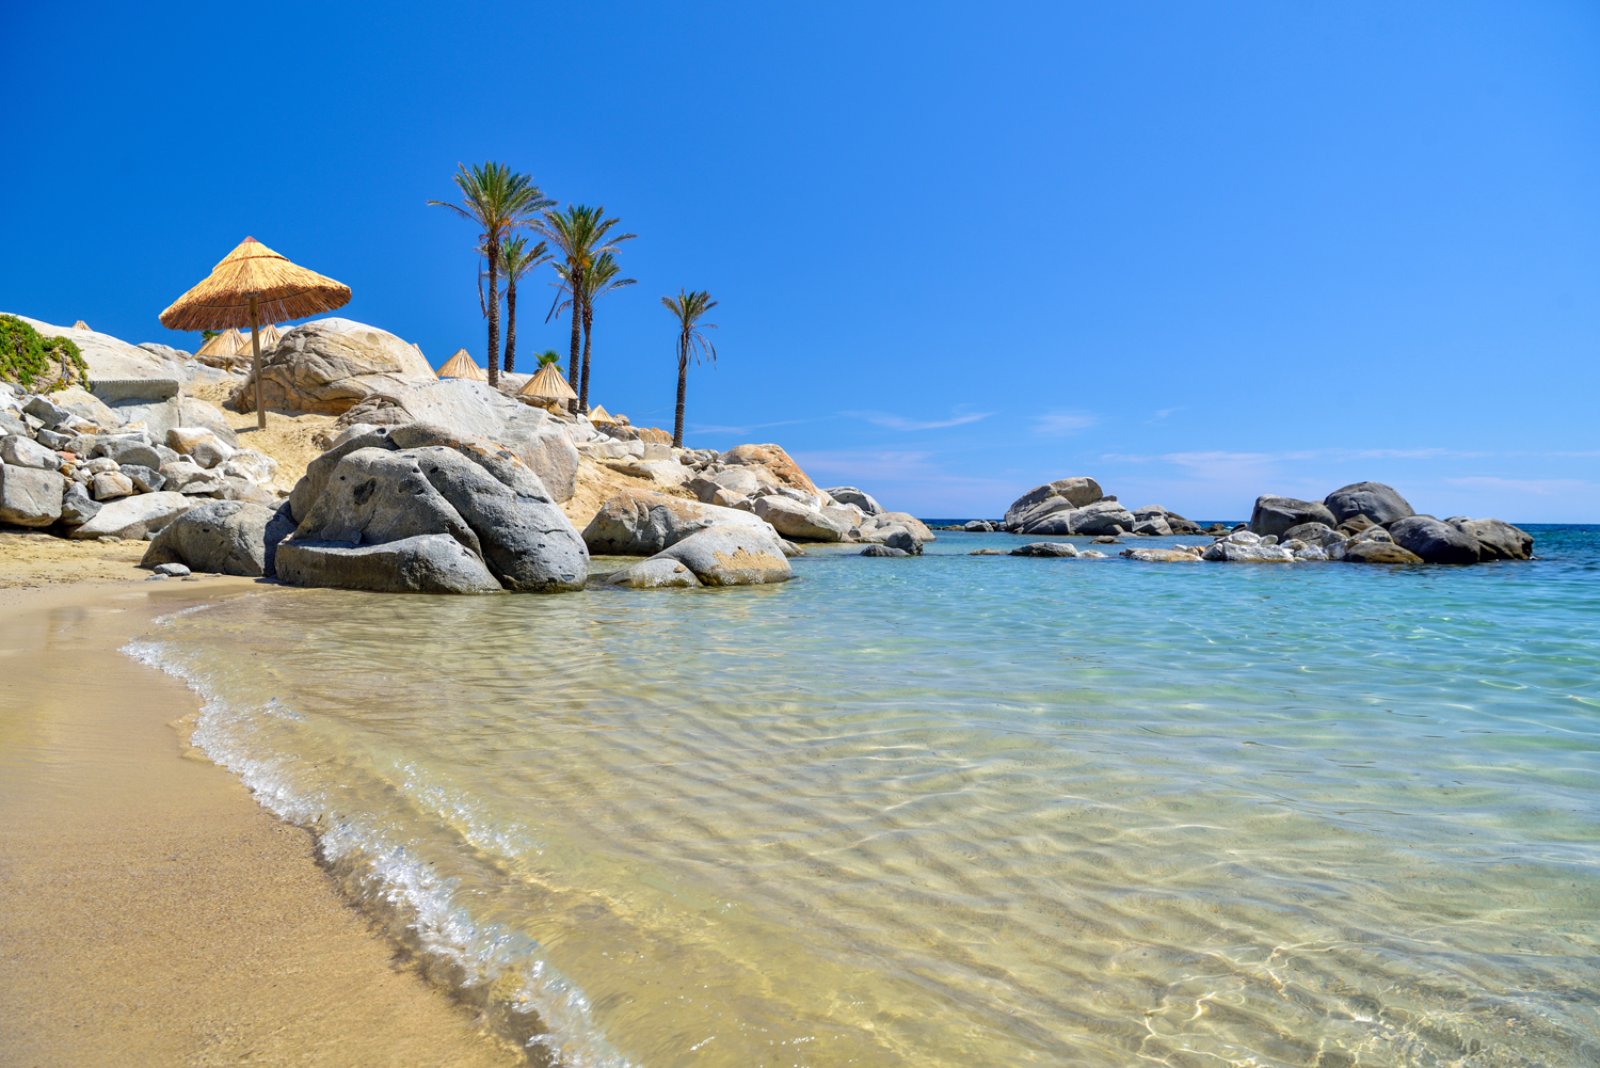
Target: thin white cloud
x: 1164, y: 413
x: 1059, y: 424
x: 904, y: 423
x: 710, y: 428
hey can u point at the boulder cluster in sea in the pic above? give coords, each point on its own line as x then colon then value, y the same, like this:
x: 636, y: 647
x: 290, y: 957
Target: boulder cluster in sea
x: 426, y: 485
x: 1364, y: 522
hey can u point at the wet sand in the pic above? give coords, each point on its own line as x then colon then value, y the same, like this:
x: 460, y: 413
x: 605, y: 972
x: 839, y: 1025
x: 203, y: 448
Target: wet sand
x: 150, y: 911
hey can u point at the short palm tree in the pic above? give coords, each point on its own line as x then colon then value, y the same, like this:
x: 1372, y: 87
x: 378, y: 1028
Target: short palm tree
x: 498, y: 200
x: 518, y: 258
x: 548, y: 357
x: 600, y: 279
x: 580, y: 235
x: 687, y: 307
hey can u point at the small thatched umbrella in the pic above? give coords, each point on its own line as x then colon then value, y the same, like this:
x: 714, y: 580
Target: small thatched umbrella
x: 270, y: 336
x: 221, y: 349
x: 547, y: 387
x: 80, y: 325
x: 462, y: 365
x: 250, y: 284
x: 598, y: 414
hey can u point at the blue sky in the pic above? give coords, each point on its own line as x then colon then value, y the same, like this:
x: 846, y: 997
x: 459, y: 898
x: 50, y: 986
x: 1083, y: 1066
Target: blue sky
x: 1197, y: 251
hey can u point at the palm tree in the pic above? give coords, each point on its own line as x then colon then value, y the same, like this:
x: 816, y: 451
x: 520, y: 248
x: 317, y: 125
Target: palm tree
x: 498, y: 200
x: 519, y: 258
x: 687, y: 307
x: 548, y: 357
x: 600, y: 279
x: 581, y: 235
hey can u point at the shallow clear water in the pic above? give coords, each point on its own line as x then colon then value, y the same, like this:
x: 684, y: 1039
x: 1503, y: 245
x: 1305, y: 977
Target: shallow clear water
x: 961, y: 810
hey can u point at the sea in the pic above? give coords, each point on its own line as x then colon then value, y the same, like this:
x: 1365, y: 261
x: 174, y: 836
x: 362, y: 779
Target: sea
x: 958, y: 810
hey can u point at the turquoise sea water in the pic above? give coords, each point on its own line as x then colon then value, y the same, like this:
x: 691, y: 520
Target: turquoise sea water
x: 961, y: 810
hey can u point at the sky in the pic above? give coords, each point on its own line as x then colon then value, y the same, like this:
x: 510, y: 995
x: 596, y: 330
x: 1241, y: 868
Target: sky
x: 1199, y: 252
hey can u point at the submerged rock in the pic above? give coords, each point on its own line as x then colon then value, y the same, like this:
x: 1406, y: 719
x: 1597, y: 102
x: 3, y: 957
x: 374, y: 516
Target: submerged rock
x: 658, y: 573
x: 885, y: 551
x: 1046, y: 548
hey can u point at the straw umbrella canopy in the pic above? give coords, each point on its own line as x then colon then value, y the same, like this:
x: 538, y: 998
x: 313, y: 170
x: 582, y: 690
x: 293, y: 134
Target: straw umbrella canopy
x: 223, y: 347
x: 598, y: 414
x: 253, y: 283
x: 270, y: 336
x: 80, y: 325
x: 548, y: 387
x: 462, y: 365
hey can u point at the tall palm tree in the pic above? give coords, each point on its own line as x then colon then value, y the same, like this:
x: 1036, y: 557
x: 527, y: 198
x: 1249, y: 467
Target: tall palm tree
x: 600, y: 279
x: 518, y: 258
x: 498, y: 200
x: 687, y: 307
x: 580, y: 234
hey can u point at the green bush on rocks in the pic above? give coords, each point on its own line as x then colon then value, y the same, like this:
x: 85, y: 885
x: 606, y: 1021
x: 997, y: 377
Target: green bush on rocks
x: 38, y: 363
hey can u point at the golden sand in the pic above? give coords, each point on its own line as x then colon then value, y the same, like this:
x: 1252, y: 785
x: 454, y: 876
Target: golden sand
x: 150, y: 911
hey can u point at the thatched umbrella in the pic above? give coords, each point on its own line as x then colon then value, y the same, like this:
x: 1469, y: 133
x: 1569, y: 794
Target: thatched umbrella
x: 250, y: 284
x: 270, y: 336
x: 598, y: 414
x: 80, y: 325
x: 222, y: 348
x: 547, y: 387
x: 462, y: 365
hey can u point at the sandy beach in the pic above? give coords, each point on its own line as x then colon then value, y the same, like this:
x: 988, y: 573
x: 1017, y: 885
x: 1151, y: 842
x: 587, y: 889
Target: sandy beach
x: 150, y: 911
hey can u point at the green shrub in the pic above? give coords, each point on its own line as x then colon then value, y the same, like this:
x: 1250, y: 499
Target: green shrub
x: 27, y: 358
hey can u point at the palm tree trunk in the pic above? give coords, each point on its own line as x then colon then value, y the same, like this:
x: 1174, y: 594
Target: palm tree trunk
x: 588, y: 331
x: 494, y: 312
x: 683, y: 389
x: 575, y: 283
x: 511, y: 324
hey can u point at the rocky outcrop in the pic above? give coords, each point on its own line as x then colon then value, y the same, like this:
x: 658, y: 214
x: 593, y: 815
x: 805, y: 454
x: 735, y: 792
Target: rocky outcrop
x: 858, y: 497
x: 1275, y: 516
x: 328, y: 366
x: 473, y: 410
x: 637, y: 523
x: 140, y: 516
x: 1497, y: 539
x: 1434, y: 541
x: 1247, y: 547
x: 1373, y: 546
x: 660, y: 573
x: 776, y: 462
x: 1046, y: 548
x: 425, y: 563
x: 798, y: 522
x: 728, y: 555
x: 407, y: 486
x: 30, y: 496
x: 1379, y: 503
x: 1061, y: 495
x: 225, y: 537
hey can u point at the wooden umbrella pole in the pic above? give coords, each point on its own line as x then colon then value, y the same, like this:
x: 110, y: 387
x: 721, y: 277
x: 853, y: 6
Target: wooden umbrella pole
x: 255, y: 354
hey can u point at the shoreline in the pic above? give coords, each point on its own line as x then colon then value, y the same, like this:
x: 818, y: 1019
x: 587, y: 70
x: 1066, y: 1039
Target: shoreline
x: 151, y: 911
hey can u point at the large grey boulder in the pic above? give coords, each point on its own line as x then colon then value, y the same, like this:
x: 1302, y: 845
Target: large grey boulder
x: 1275, y: 515
x: 729, y: 555
x: 19, y: 451
x: 129, y: 450
x: 638, y: 523
x: 1094, y: 519
x: 1380, y: 503
x: 797, y: 522
x: 905, y: 520
x: 1434, y: 540
x: 228, y: 537
x: 424, y: 563
x: 30, y: 496
x: 77, y: 507
x: 369, y: 491
x: 473, y: 410
x: 657, y: 573
x: 1497, y: 539
x: 858, y: 497
x: 1075, y: 492
x: 330, y: 365
x: 135, y: 517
